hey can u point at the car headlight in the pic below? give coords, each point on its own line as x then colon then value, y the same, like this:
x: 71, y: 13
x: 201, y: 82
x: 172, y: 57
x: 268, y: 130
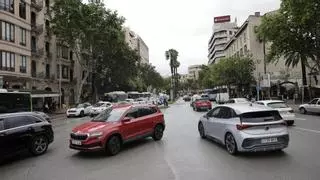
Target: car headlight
x: 96, y: 134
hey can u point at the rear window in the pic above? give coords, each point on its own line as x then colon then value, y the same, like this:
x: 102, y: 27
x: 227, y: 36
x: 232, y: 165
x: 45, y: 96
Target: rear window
x: 277, y: 105
x: 262, y: 116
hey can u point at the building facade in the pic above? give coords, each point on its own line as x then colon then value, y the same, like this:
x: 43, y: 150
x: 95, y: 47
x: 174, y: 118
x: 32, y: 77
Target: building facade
x: 223, y: 30
x: 246, y: 43
x: 31, y: 57
x: 193, y: 71
x: 136, y: 43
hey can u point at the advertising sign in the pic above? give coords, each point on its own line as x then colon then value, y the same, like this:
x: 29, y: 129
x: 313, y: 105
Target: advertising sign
x: 222, y: 19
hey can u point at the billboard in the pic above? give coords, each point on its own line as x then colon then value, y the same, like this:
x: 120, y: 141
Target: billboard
x: 222, y: 19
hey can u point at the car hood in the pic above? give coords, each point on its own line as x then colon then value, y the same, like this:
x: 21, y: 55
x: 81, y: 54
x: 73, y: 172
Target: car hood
x: 92, y: 126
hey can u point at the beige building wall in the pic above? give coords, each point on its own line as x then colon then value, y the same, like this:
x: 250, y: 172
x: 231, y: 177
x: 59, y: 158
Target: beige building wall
x: 193, y: 71
x: 246, y: 43
x: 136, y: 43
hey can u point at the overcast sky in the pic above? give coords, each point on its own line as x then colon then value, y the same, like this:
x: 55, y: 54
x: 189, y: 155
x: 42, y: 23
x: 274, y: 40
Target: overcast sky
x: 185, y: 25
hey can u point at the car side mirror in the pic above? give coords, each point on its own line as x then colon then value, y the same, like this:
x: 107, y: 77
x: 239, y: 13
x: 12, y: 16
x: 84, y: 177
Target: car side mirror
x: 126, y: 119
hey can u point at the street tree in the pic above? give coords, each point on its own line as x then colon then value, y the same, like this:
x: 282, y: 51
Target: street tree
x: 172, y: 56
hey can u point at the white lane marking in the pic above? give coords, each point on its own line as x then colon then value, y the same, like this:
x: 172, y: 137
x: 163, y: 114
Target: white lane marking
x: 308, y: 130
x: 301, y: 119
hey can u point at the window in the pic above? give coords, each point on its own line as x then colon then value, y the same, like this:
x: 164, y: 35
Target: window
x: 110, y: 115
x: 244, y: 37
x: 145, y: 111
x: 47, y: 71
x: 65, y: 72
x: 7, y: 61
x: 226, y: 113
x: 314, y: 101
x: 231, y: 101
x: 33, y: 68
x: 318, y: 102
x: 13, y: 122
x: 7, y: 31
x: 262, y: 116
x: 230, y: 32
x: 22, y: 9
x: 23, y: 37
x: 64, y: 52
x: 58, y: 71
x: 71, y: 55
x: 132, y: 113
x: 214, y: 112
x: 7, y: 5
x: 33, y: 44
x: 23, y: 64
x: 71, y: 75
x: 47, y: 47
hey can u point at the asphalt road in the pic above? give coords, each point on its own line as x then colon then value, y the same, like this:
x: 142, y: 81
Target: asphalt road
x: 181, y: 155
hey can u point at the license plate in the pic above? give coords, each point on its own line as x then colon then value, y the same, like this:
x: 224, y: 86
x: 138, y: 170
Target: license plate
x: 269, y: 140
x: 75, y: 142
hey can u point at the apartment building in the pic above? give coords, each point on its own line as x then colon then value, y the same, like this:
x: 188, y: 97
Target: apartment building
x: 246, y: 43
x: 223, y: 30
x: 193, y: 71
x: 31, y: 57
x: 136, y: 43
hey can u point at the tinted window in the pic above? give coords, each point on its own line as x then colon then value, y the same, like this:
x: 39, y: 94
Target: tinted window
x: 319, y: 102
x: 314, y: 101
x: 110, y: 115
x: 12, y: 122
x: 262, y: 116
x: 145, y: 111
x: 14, y: 102
x: 226, y: 113
x: 214, y: 112
x: 277, y: 105
x: 133, y: 113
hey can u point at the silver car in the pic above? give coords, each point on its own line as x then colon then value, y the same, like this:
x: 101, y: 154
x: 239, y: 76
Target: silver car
x: 313, y: 106
x: 245, y: 128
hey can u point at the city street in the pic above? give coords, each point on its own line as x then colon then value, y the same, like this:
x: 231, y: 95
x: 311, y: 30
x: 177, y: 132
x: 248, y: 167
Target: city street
x: 181, y: 155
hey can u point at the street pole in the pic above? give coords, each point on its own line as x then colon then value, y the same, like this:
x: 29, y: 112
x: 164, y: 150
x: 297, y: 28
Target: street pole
x: 60, y: 74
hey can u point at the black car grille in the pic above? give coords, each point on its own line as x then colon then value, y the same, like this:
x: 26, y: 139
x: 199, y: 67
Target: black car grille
x: 78, y: 136
x: 252, y: 142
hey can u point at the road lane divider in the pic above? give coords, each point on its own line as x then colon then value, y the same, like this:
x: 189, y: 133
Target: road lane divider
x: 308, y: 130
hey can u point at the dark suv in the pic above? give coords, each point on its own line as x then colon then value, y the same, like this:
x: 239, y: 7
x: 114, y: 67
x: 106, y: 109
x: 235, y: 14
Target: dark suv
x: 24, y: 131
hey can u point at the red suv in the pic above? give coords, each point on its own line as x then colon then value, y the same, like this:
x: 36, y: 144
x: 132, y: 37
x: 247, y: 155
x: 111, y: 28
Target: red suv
x: 113, y: 127
x: 202, y: 104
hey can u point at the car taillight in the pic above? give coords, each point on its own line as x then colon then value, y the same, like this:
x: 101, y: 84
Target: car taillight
x: 291, y: 111
x: 242, y: 126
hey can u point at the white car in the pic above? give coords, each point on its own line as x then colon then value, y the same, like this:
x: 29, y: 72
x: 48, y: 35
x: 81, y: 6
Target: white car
x: 285, y: 111
x: 79, y: 110
x: 237, y: 100
x: 313, y: 106
x: 100, y: 107
x: 245, y: 128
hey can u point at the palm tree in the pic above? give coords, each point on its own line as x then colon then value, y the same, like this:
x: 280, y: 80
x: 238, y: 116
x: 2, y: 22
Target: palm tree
x: 172, y: 56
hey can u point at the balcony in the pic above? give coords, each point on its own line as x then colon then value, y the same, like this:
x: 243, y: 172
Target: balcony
x: 38, y: 29
x: 37, y: 4
x: 37, y: 52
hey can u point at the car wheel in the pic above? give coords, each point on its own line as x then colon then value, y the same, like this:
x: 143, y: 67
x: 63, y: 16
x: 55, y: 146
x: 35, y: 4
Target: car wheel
x: 82, y: 114
x: 39, y: 145
x: 231, y: 144
x: 303, y: 110
x: 201, y: 131
x: 157, y: 132
x: 113, y: 145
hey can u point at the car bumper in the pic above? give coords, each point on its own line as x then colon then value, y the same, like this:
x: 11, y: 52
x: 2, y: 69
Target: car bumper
x: 73, y: 114
x: 290, y: 118
x: 92, y: 147
x: 203, y: 107
x: 254, y: 144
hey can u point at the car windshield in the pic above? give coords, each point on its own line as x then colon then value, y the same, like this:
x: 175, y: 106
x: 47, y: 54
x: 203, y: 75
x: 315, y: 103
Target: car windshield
x: 79, y: 106
x: 110, y: 115
x: 98, y: 104
x: 276, y: 105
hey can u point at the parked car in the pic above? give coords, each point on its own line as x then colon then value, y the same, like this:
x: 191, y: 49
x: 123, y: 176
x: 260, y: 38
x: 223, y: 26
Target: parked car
x: 313, y: 106
x: 194, y: 98
x: 99, y: 107
x: 205, y: 96
x: 113, y: 127
x: 238, y: 100
x: 202, y: 104
x: 24, y: 131
x: 245, y: 128
x: 285, y: 111
x: 186, y: 98
x: 79, y: 110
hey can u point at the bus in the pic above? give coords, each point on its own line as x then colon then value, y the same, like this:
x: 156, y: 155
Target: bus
x: 134, y: 95
x: 221, y: 94
x: 146, y: 94
x: 11, y: 102
x: 212, y: 96
x: 115, y: 96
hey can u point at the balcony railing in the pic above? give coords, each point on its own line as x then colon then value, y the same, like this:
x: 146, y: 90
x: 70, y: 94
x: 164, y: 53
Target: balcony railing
x: 37, y: 4
x: 37, y: 52
x: 38, y: 29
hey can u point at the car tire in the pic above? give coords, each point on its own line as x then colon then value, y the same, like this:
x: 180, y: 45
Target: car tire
x: 82, y: 114
x: 113, y: 145
x: 201, y: 130
x: 38, y: 145
x: 231, y: 144
x: 303, y: 110
x: 158, y: 132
